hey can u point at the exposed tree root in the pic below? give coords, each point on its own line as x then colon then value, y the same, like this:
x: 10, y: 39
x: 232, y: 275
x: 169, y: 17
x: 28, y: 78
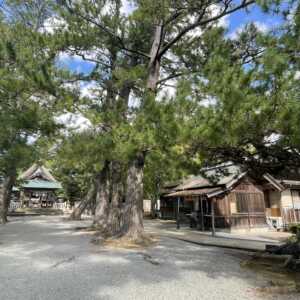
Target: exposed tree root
x: 281, y: 279
x: 126, y: 242
x: 150, y: 259
x: 85, y: 228
x: 67, y: 260
x: 75, y: 217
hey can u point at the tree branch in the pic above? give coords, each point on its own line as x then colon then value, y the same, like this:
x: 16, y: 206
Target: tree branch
x: 199, y: 23
x: 109, y: 32
x: 172, y: 76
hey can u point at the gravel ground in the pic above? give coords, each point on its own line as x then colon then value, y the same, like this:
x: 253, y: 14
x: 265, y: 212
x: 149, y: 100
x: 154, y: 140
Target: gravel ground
x: 45, y: 258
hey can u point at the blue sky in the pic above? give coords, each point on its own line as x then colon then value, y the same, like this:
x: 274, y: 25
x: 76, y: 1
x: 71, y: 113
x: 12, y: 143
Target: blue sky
x: 75, y: 64
x: 235, y: 22
x: 242, y: 17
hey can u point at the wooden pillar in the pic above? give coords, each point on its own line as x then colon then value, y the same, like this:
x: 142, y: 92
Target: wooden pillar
x: 249, y: 221
x: 22, y: 198
x: 294, y: 212
x: 281, y: 210
x: 30, y: 197
x: 213, y: 229
x: 178, y: 212
x: 202, y: 217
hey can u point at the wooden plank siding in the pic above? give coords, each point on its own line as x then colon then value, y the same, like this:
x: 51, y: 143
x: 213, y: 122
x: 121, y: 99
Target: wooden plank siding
x: 243, y: 207
x: 290, y: 215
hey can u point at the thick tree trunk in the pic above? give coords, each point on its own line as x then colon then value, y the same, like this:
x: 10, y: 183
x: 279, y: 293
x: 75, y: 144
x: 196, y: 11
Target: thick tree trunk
x: 115, y: 207
x: 133, y: 227
x: 5, y: 195
x: 87, y: 201
x: 3, y: 217
x: 102, y: 199
x: 153, y: 208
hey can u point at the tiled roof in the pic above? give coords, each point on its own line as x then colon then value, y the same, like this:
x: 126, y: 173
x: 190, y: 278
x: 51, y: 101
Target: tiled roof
x: 195, y: 192
x: 41, y: 184
x: 219, y: 175
x: 37, y: 177
x: 36, y: 171
x: 290, y: 182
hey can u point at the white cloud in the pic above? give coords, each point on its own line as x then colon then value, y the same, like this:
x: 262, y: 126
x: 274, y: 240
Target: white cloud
x: 32, y: 139
x: 89, y: 89
x: 73, y: 121
x: 261, y: 27
x: 292, y: 13
x: 216, y: 10
x: 127, y: 7
x: 213, y: 11
x: 209, y: 101
x: 167, y: 91
x: 297, y: 75
x: 53, y: 24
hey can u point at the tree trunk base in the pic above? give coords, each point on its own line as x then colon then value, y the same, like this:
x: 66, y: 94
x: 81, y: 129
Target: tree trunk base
x: 3, y: 222
x: 131, y: 242
x: 75, y: 215
x: 3, y: 218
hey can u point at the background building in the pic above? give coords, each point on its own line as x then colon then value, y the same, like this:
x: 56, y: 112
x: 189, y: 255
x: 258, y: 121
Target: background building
x: 37, y: 188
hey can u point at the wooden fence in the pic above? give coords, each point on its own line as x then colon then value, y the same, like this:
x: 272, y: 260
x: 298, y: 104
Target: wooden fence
x: 61, y: 206
x: 14, y: 205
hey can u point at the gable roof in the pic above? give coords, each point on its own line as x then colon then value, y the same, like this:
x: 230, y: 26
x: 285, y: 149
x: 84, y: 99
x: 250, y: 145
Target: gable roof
x: 42, y: 184
x: 197, y: 192
x: 291, y: 183
x: 36, y: 171
x: 214, y: 181
x: 222, y: 175
x: 38, y: 177
x: 274, y: 182
x: 219, y: 179
x: 282, y: 184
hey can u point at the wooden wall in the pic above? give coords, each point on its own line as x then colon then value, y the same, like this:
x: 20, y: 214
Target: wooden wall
x: 244, y: 206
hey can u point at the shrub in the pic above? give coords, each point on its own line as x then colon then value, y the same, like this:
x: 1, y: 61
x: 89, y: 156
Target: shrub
x: 294, y: 228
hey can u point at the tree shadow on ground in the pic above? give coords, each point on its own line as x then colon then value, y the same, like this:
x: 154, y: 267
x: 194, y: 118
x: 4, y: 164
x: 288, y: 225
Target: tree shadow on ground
x: 47, y: 259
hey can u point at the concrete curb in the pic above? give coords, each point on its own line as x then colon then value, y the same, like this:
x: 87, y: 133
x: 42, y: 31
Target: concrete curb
x: 215, y: 245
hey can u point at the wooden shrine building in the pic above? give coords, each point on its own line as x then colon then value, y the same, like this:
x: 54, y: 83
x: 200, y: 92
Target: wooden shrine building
x: 37, y: 188
x: 226, y: 197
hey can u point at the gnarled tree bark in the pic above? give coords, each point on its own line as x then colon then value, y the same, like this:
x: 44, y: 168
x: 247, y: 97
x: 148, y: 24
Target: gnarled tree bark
x: 87, y: 201
x: 5, y: 195
x: 115, y: 205
x: 133, y: 227
x: 102, y: 199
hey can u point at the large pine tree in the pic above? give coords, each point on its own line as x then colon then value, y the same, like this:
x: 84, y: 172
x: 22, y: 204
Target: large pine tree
x: 135, y: 55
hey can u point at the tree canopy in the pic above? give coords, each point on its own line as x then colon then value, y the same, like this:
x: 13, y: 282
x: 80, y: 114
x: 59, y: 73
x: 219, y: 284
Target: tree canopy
x: 168, y: 92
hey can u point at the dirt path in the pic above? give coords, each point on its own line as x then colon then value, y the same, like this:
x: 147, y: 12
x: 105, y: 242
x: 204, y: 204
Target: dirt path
x: 45, y: 258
